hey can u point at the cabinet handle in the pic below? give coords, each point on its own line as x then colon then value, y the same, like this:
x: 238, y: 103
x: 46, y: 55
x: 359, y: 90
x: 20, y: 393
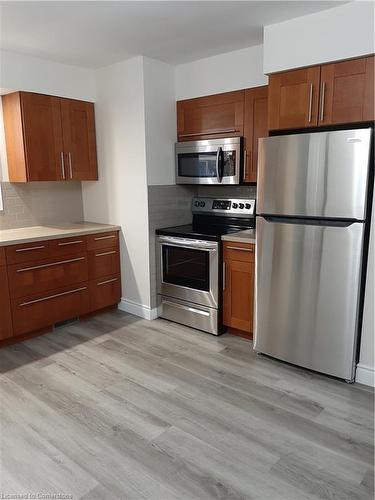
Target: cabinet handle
x: 107, y: 281
x: 105, y: 237
x: 241, y: 248
x: 186, y: 308
x: 50, y: 264
x: 63, y: 244
x: 30, y: 248
x: 105, y: 253
x: 209, y: 132
x: 310, y: 102
x: 322, y: 101
x: 62, y: 165
x: 52, y: 296
x: 70, y: 165
x: 224, y: 276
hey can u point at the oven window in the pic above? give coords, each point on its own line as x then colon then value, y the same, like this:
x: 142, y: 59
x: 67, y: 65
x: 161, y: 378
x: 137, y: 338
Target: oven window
x: 186, y: 267
x: 204, y: 164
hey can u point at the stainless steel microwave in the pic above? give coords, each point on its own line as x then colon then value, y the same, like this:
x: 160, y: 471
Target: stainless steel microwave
x: 212, y: 161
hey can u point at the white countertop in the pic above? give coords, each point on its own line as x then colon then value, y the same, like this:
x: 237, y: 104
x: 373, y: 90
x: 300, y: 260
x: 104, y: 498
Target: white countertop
x: 52, y: 232
x: 246, y: 236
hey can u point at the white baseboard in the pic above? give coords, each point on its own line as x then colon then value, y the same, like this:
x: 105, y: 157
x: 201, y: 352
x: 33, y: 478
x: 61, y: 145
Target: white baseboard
x: 140, y: 310
x: 365, y: 375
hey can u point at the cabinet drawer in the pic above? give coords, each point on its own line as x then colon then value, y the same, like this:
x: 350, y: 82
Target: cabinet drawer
x: 102, y: 240
x: 42, y: 310
x: 104, y: 262
x: 39, y: 276
x: 243, y: 252
x: 2, y: 257
x: 26, y: 252
x: 105, y: 292
x: 68, y: 246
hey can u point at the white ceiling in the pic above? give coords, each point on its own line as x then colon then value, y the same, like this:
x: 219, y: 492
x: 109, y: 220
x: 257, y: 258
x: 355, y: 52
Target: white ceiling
x: 95, y: 34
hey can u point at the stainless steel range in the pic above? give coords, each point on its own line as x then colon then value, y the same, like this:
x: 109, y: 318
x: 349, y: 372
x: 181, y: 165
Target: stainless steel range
x: 189, y: 262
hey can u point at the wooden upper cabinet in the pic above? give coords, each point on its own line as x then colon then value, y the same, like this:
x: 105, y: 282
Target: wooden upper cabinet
x: 336, y: 93
x: 33, y: 136
x: 293, y: 99
x: 49, y: 138
x: 211, y: 117
x: 78, y: 124
x: 255, y: 126
x: 347, y: 92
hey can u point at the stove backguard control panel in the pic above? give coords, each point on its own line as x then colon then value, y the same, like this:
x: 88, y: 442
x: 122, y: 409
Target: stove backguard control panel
x: 239, y: 207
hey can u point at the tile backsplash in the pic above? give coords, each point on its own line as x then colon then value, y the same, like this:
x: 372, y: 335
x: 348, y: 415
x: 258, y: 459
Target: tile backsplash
x: 227, y: 191
x: 40, y: 203
x: 167, y: 206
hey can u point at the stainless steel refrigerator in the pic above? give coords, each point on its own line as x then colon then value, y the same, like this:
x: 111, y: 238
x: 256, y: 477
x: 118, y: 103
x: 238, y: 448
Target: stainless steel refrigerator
x: 310, y: 232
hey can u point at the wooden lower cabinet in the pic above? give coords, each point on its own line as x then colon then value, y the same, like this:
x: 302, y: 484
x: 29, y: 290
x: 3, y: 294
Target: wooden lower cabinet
x: 46, y: 282
x: 104, y: 292
x: 45, y: 309
x: 5, y: 311
x: 51, y: 274
x: 238, y: 284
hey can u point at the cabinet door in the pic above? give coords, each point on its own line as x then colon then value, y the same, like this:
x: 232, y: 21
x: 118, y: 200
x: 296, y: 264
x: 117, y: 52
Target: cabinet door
x: 5, y: 311
x: 43, y: 142
x: 255, y: 126
x: 78, y: 122
x: 347, y: 92
x: 293, y: 98
x: 239, y: 294
x: 211, y: 117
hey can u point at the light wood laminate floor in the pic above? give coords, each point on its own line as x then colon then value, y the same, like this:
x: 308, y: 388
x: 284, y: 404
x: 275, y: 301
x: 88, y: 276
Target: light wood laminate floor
x: 122, y: 408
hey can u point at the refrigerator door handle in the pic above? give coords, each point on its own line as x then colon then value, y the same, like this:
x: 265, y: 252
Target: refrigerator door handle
x: 310, y: 221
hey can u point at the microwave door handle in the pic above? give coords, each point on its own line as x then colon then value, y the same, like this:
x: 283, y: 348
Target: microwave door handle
x: 219, y: 164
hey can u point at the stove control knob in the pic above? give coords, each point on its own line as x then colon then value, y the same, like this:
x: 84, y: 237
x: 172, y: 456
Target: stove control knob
x: 247, y: 206
x: 234, y: 205
x: 241, y: 206
x: 196, y: 203
x: 202, y: 204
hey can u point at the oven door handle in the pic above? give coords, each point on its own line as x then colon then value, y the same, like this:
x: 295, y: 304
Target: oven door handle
x: 182, y: 242
x: 202, y: 249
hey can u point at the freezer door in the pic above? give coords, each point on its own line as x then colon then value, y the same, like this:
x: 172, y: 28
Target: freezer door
x: 322, y: 174
x: 307, y: 294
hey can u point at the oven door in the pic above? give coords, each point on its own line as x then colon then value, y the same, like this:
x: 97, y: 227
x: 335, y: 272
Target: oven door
x: 215, y: 161
x: 188, y: 270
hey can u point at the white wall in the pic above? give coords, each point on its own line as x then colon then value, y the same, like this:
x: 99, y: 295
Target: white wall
x: 3, y: 155
x: 28, y: 73
x: 366, y: 367
x: 160, y: 121
x: 231, y: 71
x: 338, y: 33
x: 120, y: 195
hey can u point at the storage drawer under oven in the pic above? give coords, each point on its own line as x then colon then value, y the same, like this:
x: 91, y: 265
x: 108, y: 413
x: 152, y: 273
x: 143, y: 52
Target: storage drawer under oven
x: 190, y: 314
